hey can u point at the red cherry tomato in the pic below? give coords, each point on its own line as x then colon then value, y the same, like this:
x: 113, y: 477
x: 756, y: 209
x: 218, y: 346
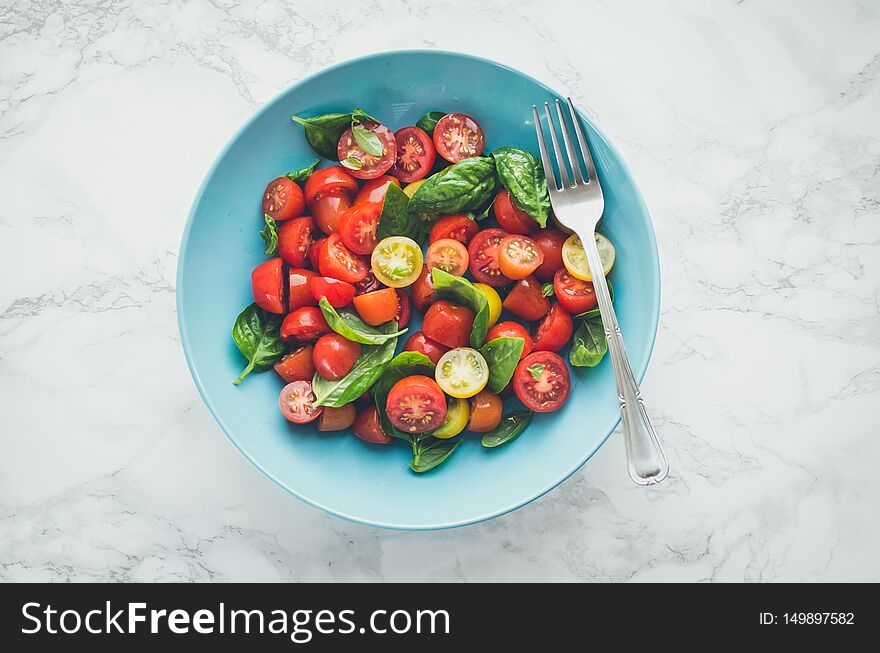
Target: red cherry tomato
x: 403, y: 308
x: 519, y: 256
x: 338, y: 293
x: 483, y: 252
x: 447, y: 254
x: 554, y: 331
x: 267, y: 282
x: 574, y: 295
x: 377, y: 307
x: 510, y: 217
x: 283, y: 199
x: 315, y: 251
x: 334, y: 179
x: 368, y: 428
x: 550, y: 241
x: 375, y: 189
x: 372, y: 166
x: 328, y: 208
x: 305, y: 324
x: 336, y: 419
x: 458, y: 227
x: 295, y: 240
x: 334, y: 356
x: 458, y: 136
x: 297, y: 365
x: 297, y: 403
x: 423, y: 290
x: 416, y: 404
x: 485, y: 412
x: 526, y: 300
x: 336, y: 260
x: 448, y: 323
x: 512, y: 330
x: 415, y: 154
x: 424, y: 345
x: 300, y: 289
x: 542, y: 382
x: 368, y: 284
x: 358, y: 226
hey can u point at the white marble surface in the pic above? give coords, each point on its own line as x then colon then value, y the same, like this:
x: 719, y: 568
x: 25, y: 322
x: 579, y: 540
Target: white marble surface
x: 754, y: 131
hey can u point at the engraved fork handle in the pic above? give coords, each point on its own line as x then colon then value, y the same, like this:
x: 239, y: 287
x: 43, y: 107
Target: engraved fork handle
x: 644, y: 456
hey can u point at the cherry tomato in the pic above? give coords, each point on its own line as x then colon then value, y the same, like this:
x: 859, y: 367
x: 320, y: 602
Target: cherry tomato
x: 458, y: 227
x: 423, y: 290
x: 485, y: 412
x: 315, y: 252
x: 510, y: 217
x: 295, y: 240
x: 574, y: 295
x: 368, y: 428
x: 458, y: 136
x: 334, y: 356
x: 397, y: 261
x: 447, y: 254
x: 297, y: 365
x: 448, y: 323
x: 267, y: 283
x: 526, y: 300
x: 377, y: 307
x: 305, y: 324
x: 483, y: 253
x: 424, y: 345
x: 300, y: 293
x: 334, y: 179
x: 336, y: 419
x: 375, y: 189
x: 372, y: 166
x: 328, y: 208
x: 336, y: 260
x: 283, y: 199
x: 550, y: 241
x: 415, y: 154
x: 368, y: 284
x: 416, y: 404
x: 358, y: 226
x: 519, y: 256
x: 512, y: 330
x: 542, y: 382
x: 554, y: 331
x: 338, y: 293
x: 403, y: 308
x: 297, y: 403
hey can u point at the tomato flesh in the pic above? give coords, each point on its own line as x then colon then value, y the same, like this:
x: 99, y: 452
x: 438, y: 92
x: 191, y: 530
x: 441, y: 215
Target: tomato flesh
x: 334, y: 356
x: 483, y: 252
x: 403, y: 308
x: 375, y: 189
x: 458, y: 136
x: 283, y: 199
x: 315, y: 252
x: 574, y: 295
x: 368, y: 284
x: 448, y: 323
x: 368, y: 427
x: 424, y: 345
x: 371, y: 166
x: 358, y: 226
x: 305, y: 324
x: 337, y: 261
x: 519, y: 256
x: 447, y: 254
x: 526, y: 300
x: 485, y: 412
x: 295, y: 240
x: 416, y: 404
x: 377, y: 307
x: 458, y: 227
x: 550, y: 241
x: 297, y: 402
x: 267, y: 283
x: 542, y: 382
x: 554, y: 331
x: 338, y: 293
x: 512, y: 330
x: 334, y: 179
x: 415, y: 154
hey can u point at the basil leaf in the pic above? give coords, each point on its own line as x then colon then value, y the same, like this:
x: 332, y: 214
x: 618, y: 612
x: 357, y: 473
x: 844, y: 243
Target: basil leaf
x: 352, y: 164
x: 256, y: 332
x: 510, y: 429
x: 367, y: 369
x: 302, y: 175
x: 547, y: 289
x: 396, y: 220
x: 589, y: 344
x: 427, y: 454
x: 595, y: 311
x: 468, y: 185
x: 323, y: 132
x: 359, y: 115
x: 367, y: 140
x: 521, y: 174
x: 350, y: 326
x: 429, y: 121
x: 502, y: 356
x: 270, y: 235
x: 406, y: 363
x: 536, y: 370
x: 462, y: 291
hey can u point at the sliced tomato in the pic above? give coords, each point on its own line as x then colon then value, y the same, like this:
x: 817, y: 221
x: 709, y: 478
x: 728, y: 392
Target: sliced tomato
x: 305, y: 324
x: 448, y: 323
x: 334, y: 356
x: 403, y: 308
x: 485, y: 412
x: 424, y: 345
x: 512, y: 330
x: 423, y: 290
x: 338, y: 293
x: 334, y: 179
x: 542, y: 382
x: 415, y: 154
x: 295, y: 240
x: 377, y: 307
x: 550, y: 241
x: 336, y: 419
x: 368, y: 284
x: 458, y: 136
x: 358, y: 226
x: 526, y: 300
x: 554, y: 331
x: 483, y: 252
x: 328, y: 208
x: 447, y: 254
x: 519, y: 256
x: 368, y: 427
x: 416, y: 404
x: 297, y: 403
x: 283, y: 199
x: 397, y: 261
x: 297, y: 365
x: 375, y: 189
x: 458, y: 226
x: 337, y: 261
x: 371, y: 165
x: 267, y: 283
x: 315, y: 252
x: 574, y: 295
x: 510, y: 217
x: 300, y: 293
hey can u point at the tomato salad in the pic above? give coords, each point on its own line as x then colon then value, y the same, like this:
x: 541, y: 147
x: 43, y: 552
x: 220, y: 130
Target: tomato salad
x: 418, y: 219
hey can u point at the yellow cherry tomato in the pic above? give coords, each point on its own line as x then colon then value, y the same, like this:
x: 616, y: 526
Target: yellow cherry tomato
x: 458, y: 413
x: 462, y: 372
x: 397, y: 261
x: 575, y: 258
x: 410, y: 189
x: 494, y: 302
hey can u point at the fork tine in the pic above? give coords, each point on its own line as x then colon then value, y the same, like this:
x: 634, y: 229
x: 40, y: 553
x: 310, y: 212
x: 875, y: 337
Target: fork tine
x: 545, y: 158
x: 563, y: 172
x: 569, y: 145
x: 582, y: 139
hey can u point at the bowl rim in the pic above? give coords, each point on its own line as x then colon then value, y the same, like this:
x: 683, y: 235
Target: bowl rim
x: 184, y: 337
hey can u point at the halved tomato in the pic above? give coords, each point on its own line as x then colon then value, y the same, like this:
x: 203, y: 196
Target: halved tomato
x: 416, y: 404
x: 415, y: 154
x: 305, y: 324
x: 375, y: 189
x: 369, y: 165
x: 338, y: 293
x: 368, y: 284
x: 526, y: 300
x: 462, y: 372
x: 368, y: 427
x: 336, y: 260
x: 315, y: 252
x: 483, y: 252
x: 554, y: 331
x: 297, y: 403
x: 542, y: 381
x: 423, y: 290
x: 283, y: 199
x: 447, y: 254
x: 403, y: 308
x: 424, y: 345
x: 377, y: 307
x: 458, y: 136
x: 328, y: 208
x: 512, y: 330
x: 297, y: 365
x: 267, y: 283
x: 550, y: 241
x: 295, y: 240
x: 519, y: 256
x: 397, y: 261
x: 448, y: 323
x: 336, y: 419
x: 574, y: 295
x: 458, y: 226
x: 334, y: 179
x: 300, y: 293
x: 358, y: 226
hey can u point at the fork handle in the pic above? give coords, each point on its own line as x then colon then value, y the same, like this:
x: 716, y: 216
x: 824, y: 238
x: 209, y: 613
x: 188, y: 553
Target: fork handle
x: 644, y: 456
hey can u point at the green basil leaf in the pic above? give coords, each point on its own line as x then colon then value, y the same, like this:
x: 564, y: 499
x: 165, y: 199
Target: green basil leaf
x: 395, y: 219
x: 359, y: 115
x: 502, y: 356
x: 589, y: 344
x: 594, y: 312
x: 510, y: 429
x: 462, y: 291
x: 256, y: 332
x: 352, y: 164
x: 323, y: 132
x: 367, y: 140
x: 547, y: 289
x: 406, y: 363
x: 350, y: 326
x: 520, y: 172
x: 367, y: 369
x: 469, y: 185
x: 429, y: 121
x: 270, y: 235
x: 301, y: 176
x: 428, y: 454
x: 535, y: 370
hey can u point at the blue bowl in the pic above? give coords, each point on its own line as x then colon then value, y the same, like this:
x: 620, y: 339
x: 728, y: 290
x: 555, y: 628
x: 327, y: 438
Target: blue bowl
x: 337, y: 472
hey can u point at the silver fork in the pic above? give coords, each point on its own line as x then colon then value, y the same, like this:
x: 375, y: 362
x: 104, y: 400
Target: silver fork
x: 579, y: 205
